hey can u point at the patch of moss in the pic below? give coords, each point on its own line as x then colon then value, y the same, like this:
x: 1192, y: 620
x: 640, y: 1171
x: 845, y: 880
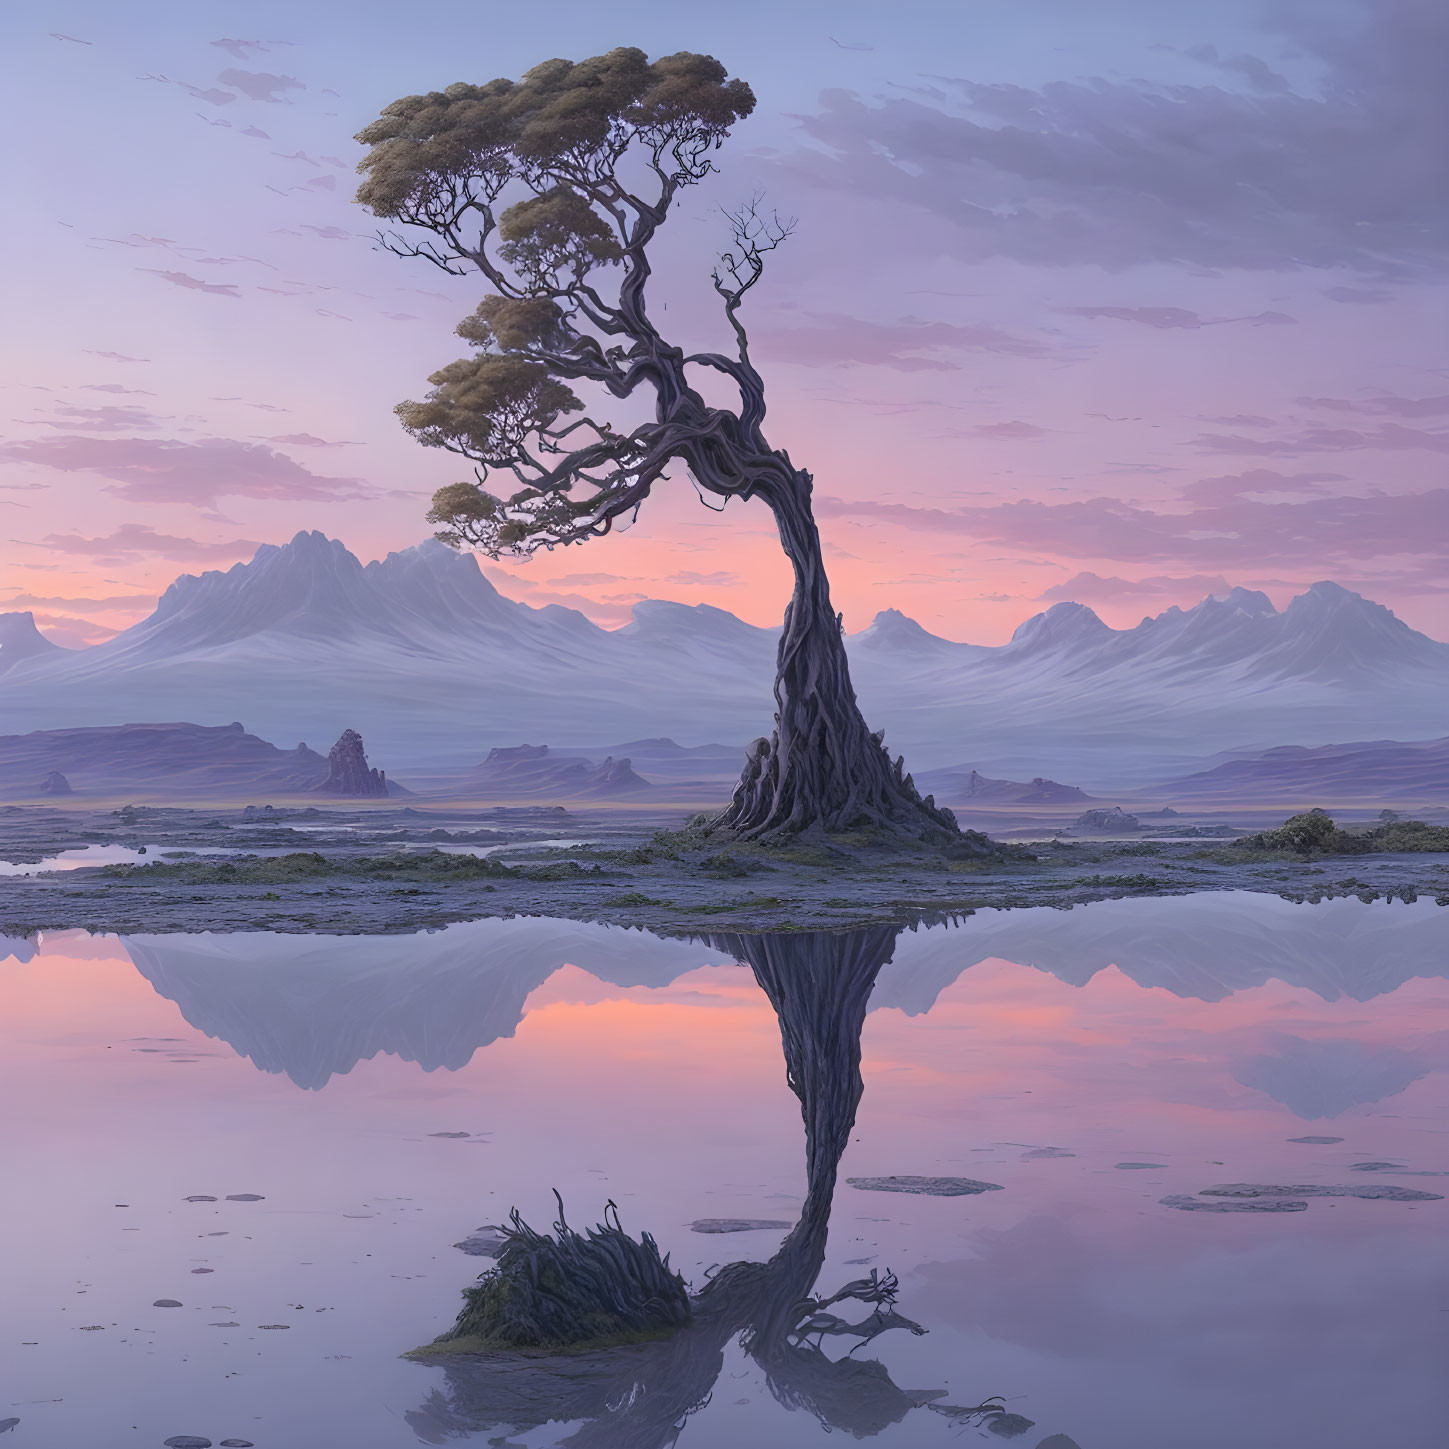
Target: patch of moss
x: 1314, y: 833
x: 312, y: 865
x: 1118, y: 882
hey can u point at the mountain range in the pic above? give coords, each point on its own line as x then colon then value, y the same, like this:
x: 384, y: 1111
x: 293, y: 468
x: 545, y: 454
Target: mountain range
x: 1359, y: 770
x: 433, y: 665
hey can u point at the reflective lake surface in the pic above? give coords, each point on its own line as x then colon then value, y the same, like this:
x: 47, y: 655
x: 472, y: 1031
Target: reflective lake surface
x: 285, y: 1136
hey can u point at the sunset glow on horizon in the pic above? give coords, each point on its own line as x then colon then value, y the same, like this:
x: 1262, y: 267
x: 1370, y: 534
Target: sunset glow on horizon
x: 1109, y: 311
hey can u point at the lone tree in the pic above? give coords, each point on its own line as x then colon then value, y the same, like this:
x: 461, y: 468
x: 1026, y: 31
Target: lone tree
x: 537, y: 184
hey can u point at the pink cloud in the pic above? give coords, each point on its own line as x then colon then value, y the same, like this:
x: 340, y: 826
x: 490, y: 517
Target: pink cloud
x: 833, y: 339
x: 1389, y: 437
x: 182, y: 279
x: 1236, y: 532
x: 133, y: 541
x: 164, y: 470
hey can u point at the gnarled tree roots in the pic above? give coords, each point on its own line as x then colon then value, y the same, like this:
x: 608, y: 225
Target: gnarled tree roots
x: 816, y: 789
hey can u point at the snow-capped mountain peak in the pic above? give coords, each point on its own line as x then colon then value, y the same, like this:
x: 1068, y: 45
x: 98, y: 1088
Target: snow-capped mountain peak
x: 21, y: 640
x: 1063, y: 626
x: 895, y: 633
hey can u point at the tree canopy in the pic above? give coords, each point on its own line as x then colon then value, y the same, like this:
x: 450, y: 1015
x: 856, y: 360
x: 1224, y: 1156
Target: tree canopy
x: 553, y: 187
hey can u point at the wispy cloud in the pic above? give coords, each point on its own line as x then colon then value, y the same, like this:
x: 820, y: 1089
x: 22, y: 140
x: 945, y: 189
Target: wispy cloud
x: 1113, y: 173
x: 183, y: 279
x: 260, y: 85
x: 165, y: 470
x: 1236, y: 532
x: 134, y: 541
x: 1176, y: 319
x: 834, y: 339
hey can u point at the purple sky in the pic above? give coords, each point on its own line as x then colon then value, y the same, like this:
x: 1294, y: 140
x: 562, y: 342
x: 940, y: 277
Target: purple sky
x: 1118, y: 302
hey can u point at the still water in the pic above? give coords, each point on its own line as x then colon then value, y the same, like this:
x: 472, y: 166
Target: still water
x: 285, y: 1135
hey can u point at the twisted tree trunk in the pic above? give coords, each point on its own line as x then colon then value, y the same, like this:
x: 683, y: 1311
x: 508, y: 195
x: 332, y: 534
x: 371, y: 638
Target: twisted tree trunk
x: 822, y: 767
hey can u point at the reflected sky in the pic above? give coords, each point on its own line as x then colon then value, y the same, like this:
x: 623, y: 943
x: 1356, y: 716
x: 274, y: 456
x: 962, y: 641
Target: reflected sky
x: 1037, y: 1050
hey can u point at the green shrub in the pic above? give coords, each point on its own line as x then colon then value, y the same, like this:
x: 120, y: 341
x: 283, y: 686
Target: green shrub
x: 568, y: 1288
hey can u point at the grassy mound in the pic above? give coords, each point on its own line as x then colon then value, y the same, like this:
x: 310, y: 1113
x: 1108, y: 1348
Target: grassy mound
x: 1314, y: 833
x: 305, y: 865
x: 570, y: 1290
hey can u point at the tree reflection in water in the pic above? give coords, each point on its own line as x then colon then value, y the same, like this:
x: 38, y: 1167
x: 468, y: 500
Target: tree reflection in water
x: 639, y: 1396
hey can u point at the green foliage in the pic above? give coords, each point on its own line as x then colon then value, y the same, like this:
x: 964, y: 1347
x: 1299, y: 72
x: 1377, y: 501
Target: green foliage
x: 485, y: 407
x: 1315, y: 834
x: 569, y: 1288
x: 513, y: 324
x: 563, y: 118
x: 1409, y: 836
x: 1302, y: 833
x: 556, y: 234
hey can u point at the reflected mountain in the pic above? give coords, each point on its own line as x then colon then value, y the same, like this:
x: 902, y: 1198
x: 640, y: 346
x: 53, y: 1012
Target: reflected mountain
x: 19, y: 948
x: 639, y: 1396
x: 314, y: 1006
x: 1204, y: 947
x: 1319, y: 1079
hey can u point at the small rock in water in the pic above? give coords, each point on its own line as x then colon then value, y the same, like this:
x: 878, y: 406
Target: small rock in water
x: 736, y: 1225
x: 1247, y: 1205
x: 245, y: 1197
x: 450, y: 1134
x: 1382, y: 1191
x: 274, y: 1325
x: 482, y: 1244
x: 1037, y: 1152
x: 186, y: 1441
x: 237, y: 1444
x: 1009, y: 1426
x: 1130, y: 1166
x: 223, y: 1325
x: 201, y: 1197
x: 203, y: 1270
x: 166, y: 1303
x: 1316, y: 1141
x: 927, y: 1186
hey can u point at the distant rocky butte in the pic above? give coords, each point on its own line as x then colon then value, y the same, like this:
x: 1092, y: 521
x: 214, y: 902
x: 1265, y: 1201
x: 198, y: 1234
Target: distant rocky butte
x: 961, y: 787
x: 348, y: 772
x: 172, y: 761
x: 1114, y: 821
x: 533, y: 770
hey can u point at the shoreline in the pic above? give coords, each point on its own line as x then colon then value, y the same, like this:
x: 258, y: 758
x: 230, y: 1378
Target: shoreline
x: 671, y: 901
